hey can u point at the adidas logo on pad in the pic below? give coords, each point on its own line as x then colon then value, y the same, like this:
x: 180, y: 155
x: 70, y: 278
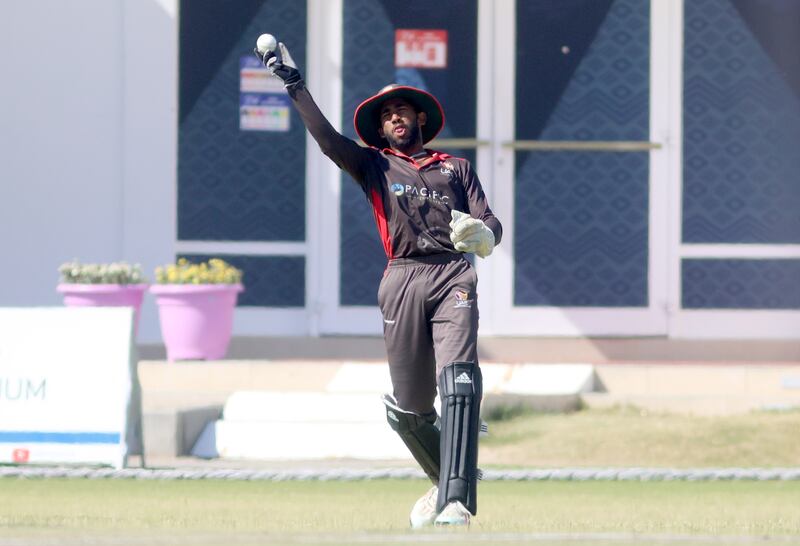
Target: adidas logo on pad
x: 463, y: 378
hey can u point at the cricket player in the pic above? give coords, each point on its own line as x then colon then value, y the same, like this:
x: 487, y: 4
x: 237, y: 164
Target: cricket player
x: 429, y: 209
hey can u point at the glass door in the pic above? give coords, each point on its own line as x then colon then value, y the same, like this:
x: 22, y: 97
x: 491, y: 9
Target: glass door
x: 580, y: 170
x: 413, y: 43
x: 564, y: 108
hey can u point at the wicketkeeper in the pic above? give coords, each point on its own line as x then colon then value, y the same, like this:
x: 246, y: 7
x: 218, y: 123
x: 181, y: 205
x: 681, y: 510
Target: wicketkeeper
x: 429, y: 208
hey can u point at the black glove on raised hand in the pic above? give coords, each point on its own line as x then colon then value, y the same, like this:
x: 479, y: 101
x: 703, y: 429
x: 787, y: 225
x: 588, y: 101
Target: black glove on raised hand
x: 281, y: 65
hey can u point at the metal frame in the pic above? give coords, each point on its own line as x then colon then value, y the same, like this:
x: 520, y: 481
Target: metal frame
x: 583, y: 145
x: 324, y: 181
x: 552, y: 145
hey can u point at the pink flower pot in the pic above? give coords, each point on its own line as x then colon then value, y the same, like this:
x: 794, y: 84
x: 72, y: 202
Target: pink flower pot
x: 196, y: 319
x: 105, y: 295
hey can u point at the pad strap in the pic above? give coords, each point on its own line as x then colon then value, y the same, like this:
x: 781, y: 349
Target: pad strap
x: 460, y: 389
x: 420, y: 434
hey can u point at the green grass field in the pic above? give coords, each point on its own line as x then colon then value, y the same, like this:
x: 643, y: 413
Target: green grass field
x: 41, y: 512
x: 37, y: 508
x: 633, y: 437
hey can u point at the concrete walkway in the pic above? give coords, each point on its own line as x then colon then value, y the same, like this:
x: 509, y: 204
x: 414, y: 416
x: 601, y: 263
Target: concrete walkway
x: 517, y: 349
x: 697, y: 377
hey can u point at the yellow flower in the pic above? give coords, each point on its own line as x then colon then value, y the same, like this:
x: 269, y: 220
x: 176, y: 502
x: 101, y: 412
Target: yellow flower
x: 215, y: 271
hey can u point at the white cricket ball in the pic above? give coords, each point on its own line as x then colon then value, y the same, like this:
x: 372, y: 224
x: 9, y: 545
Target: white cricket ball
x: 266, y: 43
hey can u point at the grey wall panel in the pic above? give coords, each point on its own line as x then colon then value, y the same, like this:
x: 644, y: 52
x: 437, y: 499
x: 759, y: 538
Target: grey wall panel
x: 581, y: 219
x: 236, y: 185
x: 269, y: 281
x: 741, y: 167
x: 741, y: 284
x: 581, y: 229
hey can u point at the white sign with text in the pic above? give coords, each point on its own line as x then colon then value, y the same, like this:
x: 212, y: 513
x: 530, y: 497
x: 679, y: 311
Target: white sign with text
x: 65, y: 384
x: 415, y: 48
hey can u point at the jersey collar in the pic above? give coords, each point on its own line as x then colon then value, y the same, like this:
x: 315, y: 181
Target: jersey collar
x: 435, y: 157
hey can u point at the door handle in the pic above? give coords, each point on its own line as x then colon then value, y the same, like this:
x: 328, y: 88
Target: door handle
x: 553, y: 145
x: 583, y: 145
x: 470, y: 143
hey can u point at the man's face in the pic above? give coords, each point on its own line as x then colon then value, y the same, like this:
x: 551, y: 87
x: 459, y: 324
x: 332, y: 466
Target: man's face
x: 400, y: 125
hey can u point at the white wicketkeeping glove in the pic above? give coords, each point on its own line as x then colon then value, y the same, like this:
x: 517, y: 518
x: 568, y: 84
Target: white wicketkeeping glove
x: 470, y: 234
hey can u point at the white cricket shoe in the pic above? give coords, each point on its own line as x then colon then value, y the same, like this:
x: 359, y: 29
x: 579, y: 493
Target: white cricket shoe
x: 453, y: 514
x: 424, y: 511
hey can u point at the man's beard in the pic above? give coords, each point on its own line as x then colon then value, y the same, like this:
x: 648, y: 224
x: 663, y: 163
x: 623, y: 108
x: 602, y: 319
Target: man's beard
x: 408, y: 142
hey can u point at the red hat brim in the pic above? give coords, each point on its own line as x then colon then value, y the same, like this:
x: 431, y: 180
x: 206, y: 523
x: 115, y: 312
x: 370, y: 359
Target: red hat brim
x: 367, y: 116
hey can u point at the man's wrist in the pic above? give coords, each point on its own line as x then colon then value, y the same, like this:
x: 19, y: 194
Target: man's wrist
x: 294, y: 84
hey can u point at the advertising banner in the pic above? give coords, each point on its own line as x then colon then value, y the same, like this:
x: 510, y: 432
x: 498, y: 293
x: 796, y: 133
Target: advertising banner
x: 263, y: 102
x: 66, y: 379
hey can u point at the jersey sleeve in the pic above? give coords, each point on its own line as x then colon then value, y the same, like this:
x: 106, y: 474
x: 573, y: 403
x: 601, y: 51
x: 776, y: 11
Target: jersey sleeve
x: 478, y: 205
x: 347, y: 154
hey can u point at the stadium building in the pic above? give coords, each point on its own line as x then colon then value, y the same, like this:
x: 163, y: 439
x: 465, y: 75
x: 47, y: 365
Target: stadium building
x: 641, y: 154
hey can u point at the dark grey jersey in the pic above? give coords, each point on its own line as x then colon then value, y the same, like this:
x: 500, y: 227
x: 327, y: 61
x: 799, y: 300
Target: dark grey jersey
x: 411, y: 201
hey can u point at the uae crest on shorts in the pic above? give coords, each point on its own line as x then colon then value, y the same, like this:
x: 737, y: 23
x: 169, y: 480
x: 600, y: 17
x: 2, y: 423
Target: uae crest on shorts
x: 462, y: 299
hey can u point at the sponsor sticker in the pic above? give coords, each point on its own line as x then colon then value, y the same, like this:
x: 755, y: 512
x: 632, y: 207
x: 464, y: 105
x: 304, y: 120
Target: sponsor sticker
x: 264, y: 104
x: 264, y: 112
x: 420, y: 48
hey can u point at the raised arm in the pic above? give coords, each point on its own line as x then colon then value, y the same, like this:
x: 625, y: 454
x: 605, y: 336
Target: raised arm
x: 343, y: 151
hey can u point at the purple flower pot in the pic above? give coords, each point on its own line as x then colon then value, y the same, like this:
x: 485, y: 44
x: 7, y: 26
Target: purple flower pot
x: 196, y: 319
x: 105, y: 295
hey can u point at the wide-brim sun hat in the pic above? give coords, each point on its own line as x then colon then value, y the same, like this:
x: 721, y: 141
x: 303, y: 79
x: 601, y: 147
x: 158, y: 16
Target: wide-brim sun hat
x: 367, y: 116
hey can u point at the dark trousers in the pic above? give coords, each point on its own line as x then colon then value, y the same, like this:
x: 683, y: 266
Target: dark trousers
x: 430, y: 319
